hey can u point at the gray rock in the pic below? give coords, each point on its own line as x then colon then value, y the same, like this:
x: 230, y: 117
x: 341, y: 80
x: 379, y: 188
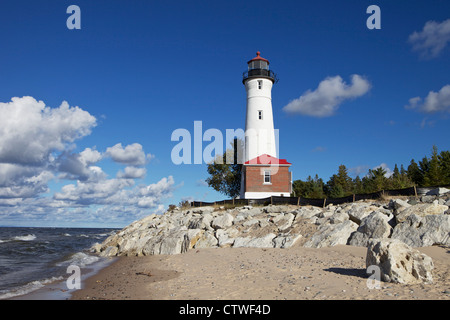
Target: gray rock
x: 109, y: 252
x: 358, y: 211
x: 207, y: 240
x: 332, y: 235
x: 283, y: 221
x: 203, y: 210
x: 174, y: 243
x: 398, y: 205
x: 222, y: 221
x: 286, y: 241
x: 418, y: 231
x: 374, y: 225
x: 421, y: 210
x: 224, y: 239
x: 260, y: 242
x: 438, y: 191
x: 338, y: 217
x: 398, y: 262
x: 276, y: 209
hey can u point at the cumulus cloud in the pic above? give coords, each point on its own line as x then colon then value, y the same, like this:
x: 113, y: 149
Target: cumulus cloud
x: 433, y: 38
x: 433, y: 102
x: 132, y: 154
x: 30, y: 130
x: 132, y: 173
x: 37, y: 146
x: 325, y: 100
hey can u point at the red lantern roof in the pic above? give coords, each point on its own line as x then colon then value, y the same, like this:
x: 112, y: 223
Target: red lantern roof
x: 266, y: 159
x: 258, y: 57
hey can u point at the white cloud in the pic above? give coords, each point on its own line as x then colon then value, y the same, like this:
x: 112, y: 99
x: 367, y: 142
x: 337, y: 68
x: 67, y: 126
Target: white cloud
x: 30, y: 131
x: 384, y: 166
x: 433, y: 38
x: 433, y: 102
x: 89, y: 156
x: 132, y: 154
x: 325, y: 100
x: 37, y: 146
x: 358, y: 170
x: 132, y: 173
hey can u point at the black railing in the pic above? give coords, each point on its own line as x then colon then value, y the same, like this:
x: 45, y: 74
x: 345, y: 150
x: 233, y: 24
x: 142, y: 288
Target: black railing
x: 259, y: 73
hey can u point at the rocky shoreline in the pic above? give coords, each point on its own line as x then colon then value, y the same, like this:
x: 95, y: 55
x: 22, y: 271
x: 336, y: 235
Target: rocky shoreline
x: 383, y: 226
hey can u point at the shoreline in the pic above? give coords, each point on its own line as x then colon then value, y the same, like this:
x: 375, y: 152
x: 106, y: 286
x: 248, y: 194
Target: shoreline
x: 296, y: 273
x: 57, y: 290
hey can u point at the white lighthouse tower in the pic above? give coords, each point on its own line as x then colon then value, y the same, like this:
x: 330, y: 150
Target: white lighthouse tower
x: 259, y: 128
x: 263, y: 174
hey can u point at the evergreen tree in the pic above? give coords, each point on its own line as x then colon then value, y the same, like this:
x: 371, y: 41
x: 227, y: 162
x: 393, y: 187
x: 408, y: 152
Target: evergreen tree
x: 358, y: 187
x: 444, y: 164
x: 340, y: 184
x: 432, y: 176
x: 399, y: 179
x: 414, y: 173
x: 375, y: 180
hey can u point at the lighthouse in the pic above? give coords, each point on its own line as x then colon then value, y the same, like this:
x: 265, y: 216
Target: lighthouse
x: 263, y: 174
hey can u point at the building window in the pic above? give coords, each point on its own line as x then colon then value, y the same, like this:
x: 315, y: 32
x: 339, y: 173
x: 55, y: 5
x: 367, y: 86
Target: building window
x: 260, y: 114
x: 267, y: 177
x: 260, y: 84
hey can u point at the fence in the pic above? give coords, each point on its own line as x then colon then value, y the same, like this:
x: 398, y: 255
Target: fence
x: 300, y: 201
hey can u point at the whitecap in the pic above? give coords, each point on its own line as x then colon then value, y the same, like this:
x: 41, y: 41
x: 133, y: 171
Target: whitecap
x: 29, y: 237
x: 80, y: 259
x: 29, y: 287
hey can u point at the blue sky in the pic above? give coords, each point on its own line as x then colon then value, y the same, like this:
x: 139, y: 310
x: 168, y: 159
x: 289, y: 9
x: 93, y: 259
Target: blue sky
x: 87, y: 115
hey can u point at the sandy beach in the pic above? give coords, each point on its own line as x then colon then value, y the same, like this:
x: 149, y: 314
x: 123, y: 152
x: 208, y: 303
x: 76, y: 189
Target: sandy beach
x: 296, y: 273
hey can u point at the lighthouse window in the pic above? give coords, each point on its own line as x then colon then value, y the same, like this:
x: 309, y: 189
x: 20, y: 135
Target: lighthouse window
x: 266, y: 176
x: 259, y: 84
x: 260, y: 114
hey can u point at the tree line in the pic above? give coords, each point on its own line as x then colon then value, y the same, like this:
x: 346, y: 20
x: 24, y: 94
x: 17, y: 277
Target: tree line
x: 430, y: 171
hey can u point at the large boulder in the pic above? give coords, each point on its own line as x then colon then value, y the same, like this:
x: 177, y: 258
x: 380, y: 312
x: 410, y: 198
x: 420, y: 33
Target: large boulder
x: 421, y: 210
x: 251, y: 242
x: 398, y: 262
x: 286, y: 241
x: 332, y: 234
x: 418, y: 231
x: 358, y: 211
x: 375, y: 225
x: 283, y: 221
x: 438, y: 191
x: 222, y: 221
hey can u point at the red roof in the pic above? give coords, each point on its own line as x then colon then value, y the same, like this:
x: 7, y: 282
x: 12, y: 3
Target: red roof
x: 258, y: 57
x: 269, y: 160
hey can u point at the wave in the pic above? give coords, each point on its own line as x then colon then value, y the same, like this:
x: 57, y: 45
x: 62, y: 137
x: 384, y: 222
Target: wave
x: 29, y: 287
x: 29, y: 237
x: 80, y: 259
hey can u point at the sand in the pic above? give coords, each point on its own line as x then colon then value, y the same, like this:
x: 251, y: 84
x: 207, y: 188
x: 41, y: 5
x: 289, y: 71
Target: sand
x: 258, y: 274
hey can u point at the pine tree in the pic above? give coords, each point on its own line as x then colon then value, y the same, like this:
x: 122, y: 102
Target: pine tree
x: 414, y: 173
x: 432, y: 176
x: 340, y: 184
x: 444, y: 164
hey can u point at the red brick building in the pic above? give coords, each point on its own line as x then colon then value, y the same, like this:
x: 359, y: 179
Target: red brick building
x: 267, y: 176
